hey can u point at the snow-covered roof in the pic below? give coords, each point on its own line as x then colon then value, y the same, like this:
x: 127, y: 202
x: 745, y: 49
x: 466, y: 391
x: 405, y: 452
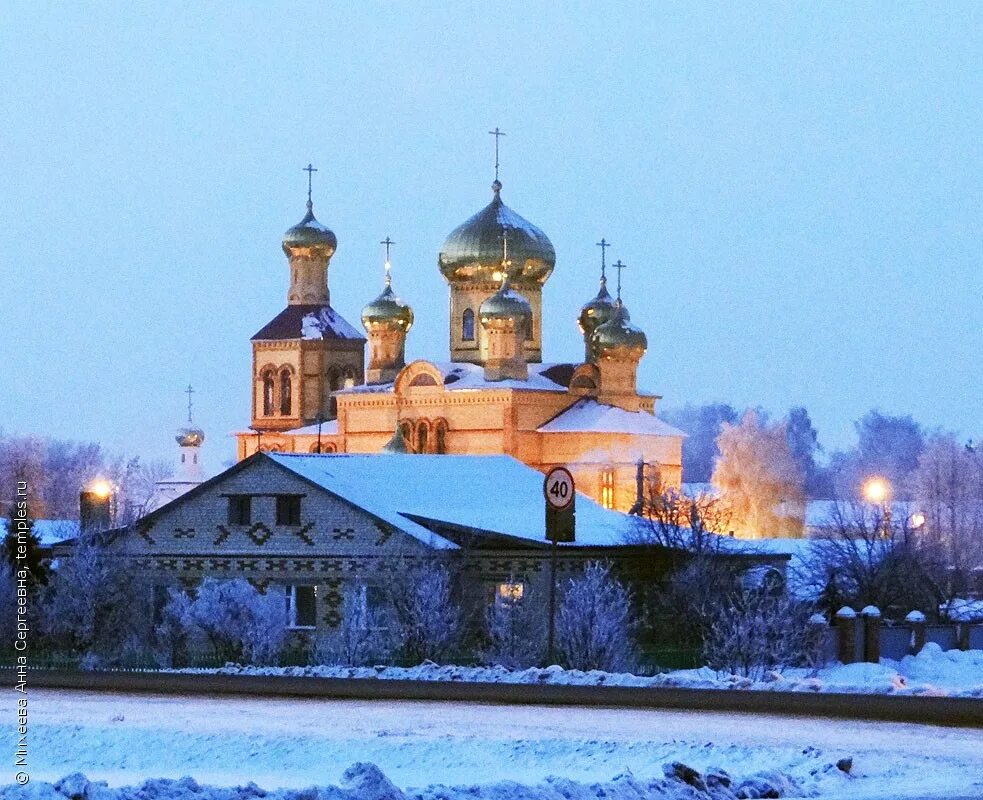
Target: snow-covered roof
x: 489, y: 493
x: 310, y: 321
x: 461, y: 376
x: 328, y: 428
x: 49, y: 531
x: 589, y: 416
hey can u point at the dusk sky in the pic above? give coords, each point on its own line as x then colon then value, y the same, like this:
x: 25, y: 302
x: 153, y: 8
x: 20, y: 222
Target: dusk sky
x: 796, y: 189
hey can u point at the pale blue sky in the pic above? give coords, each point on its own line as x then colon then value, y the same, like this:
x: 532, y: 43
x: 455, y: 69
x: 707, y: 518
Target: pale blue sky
x: 796, y: 188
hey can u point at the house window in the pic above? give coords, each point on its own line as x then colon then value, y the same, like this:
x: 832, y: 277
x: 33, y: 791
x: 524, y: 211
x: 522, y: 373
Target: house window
x: 240, y: 509
x: 288, y: 509
x: 285, y: 398
x: 467, y: 325
x: 510, y: 592
x: 607, y: 488
x: 301, y: 606
x: 268, y: 391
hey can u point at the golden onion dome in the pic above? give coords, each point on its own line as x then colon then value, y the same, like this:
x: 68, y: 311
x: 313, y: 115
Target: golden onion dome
x: 618, y: 338
x: 505, y: 304
x: 190, y: 437
x: 473, y: 251
x: 309, y: 234
x: 597, y: 311
x: 387, y: 309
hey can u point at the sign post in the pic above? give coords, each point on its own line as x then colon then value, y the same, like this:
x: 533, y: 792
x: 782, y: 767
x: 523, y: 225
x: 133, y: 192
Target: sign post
x: 560, y: 494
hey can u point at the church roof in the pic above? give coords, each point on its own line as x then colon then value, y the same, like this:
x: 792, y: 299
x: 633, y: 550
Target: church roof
x: 441, y: 489
x: 460, y: 375
x: 308, y: 322
x: 589, y: 416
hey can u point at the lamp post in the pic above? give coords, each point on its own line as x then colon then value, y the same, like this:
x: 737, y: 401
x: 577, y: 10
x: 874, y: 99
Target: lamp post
x: 877, y: 491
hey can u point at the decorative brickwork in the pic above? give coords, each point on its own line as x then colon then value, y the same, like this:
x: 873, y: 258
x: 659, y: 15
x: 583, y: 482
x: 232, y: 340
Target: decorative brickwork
x: 184, y: 533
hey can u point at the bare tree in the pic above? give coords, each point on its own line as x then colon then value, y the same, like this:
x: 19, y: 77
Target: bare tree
x: 427, y: 616
x: 760, y: 482
x: 364, y: 636
x: 516, y: 626
x: 594, y: 626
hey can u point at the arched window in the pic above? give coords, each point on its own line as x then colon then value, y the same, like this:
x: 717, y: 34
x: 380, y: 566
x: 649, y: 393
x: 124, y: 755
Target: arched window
x: 349, y: 377
x: 269, y: 388
x: 424, y: 379
x: 407, y: 430
x: 285, y: 394
x: 467, y: 325
x: 334, y: 384
x: 440, y: 436
x: 607, y: 488
x: 422, y: 437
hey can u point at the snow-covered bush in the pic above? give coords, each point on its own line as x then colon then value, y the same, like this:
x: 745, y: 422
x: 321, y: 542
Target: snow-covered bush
x: 428, y: 621
x: 364, y: 635
x: 594, y: 628
x: 234, y: 619
x: 96, y: 606
x: 516, y: 628
x: 757, y: 631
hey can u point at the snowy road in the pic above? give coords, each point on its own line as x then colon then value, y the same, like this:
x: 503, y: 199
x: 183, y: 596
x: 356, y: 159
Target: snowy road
x: 288, y: 742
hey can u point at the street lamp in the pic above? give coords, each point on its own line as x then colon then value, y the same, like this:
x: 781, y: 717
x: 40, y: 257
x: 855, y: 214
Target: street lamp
x: 917, y: 520
x: 877, y: 491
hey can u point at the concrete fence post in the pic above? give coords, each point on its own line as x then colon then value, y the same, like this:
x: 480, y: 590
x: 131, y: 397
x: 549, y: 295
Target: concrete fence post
x: 846, y: 631
x: 872, y: 633
x: 916, y: 620
x: 816, y: 640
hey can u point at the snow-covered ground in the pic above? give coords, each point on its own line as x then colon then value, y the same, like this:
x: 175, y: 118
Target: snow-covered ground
x: 294, y: 743
x: 954, y: 673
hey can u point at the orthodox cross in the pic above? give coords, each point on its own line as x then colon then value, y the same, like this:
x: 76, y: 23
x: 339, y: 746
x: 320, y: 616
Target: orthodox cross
x: 497, y: 134
x: 189, y: 391
x: 388, y: 243
x: 619, y: 266
x: 310, y: 169
x: 604, y: 244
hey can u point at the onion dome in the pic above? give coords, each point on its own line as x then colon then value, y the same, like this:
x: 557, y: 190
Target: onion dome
x: 309, y: 234
x: 505, y: 304
x: 190, y: 437
x: 618, y: 338
x: 597, y: 311
x: 397, y: 444
x: 473, y: 251
x: 388, y: 310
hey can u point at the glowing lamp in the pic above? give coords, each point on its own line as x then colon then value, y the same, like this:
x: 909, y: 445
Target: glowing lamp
x: 101, y: 488
x: 876, y: 490
x: 918, y: 520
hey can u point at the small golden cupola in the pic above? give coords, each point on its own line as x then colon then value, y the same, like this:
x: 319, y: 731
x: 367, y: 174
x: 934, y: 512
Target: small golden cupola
x: 309, y: 246
x: 386, y: 320
x: 505, y: 319
x: 598, y: 310
x: 616, y: 347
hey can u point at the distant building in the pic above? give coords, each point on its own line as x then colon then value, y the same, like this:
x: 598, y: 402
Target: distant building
x: 308, y: 526
x: 312, y: 390
x: 188, y: 471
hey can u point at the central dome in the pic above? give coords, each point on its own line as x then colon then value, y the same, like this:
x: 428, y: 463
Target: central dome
x: 473, y: 251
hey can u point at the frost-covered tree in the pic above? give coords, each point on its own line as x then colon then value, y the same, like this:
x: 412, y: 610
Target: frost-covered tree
x: 702, y: 424
x: 21, y: 533
x: 237, y: 622
x: 96, y: 606
x: 760, y: 483
x: 516, y: 628
x: 8, y: 605
x: 594, y: 627
x: 803, y: 444
x: 428, y: 621
x: 364, y: 635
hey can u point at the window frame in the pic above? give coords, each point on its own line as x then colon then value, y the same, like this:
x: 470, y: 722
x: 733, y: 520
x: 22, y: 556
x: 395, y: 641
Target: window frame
x: 288, y: 510
x: 240, y: 509
x: 290, y: 595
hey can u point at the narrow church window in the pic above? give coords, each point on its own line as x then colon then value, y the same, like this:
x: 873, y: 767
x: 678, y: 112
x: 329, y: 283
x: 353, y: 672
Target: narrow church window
x: 422, y: 436
x: 467, y: 325
x: 288, y: 509
x: 285, y: 398
x: 301, y: 606
x: 240, y: 509
x: 268, y: 388
x: 607, y: 488
x: 440, y: 437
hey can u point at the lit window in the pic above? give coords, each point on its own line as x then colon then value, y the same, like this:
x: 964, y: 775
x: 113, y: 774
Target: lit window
x: 511, y: 592
x: 607, y: 488
x: 301, y: 606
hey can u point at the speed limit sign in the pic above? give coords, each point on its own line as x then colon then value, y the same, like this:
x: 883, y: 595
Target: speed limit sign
x: 558, y: 488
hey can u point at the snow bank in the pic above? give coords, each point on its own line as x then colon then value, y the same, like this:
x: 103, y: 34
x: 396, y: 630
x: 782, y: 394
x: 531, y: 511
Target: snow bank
x: 364, y: 781
x: 955, y: 673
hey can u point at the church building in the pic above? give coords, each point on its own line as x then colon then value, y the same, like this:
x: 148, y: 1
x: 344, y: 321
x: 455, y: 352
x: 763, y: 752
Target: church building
x: 314, y: 392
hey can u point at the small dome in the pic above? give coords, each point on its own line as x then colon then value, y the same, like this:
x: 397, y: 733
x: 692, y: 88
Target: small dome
x: 190, y: 437
x: 387, y: 309
x: 618, y: 338
x: 506, y: 303
x: 310, y: 234
x: 596, y: 312
x: 473, y: 251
